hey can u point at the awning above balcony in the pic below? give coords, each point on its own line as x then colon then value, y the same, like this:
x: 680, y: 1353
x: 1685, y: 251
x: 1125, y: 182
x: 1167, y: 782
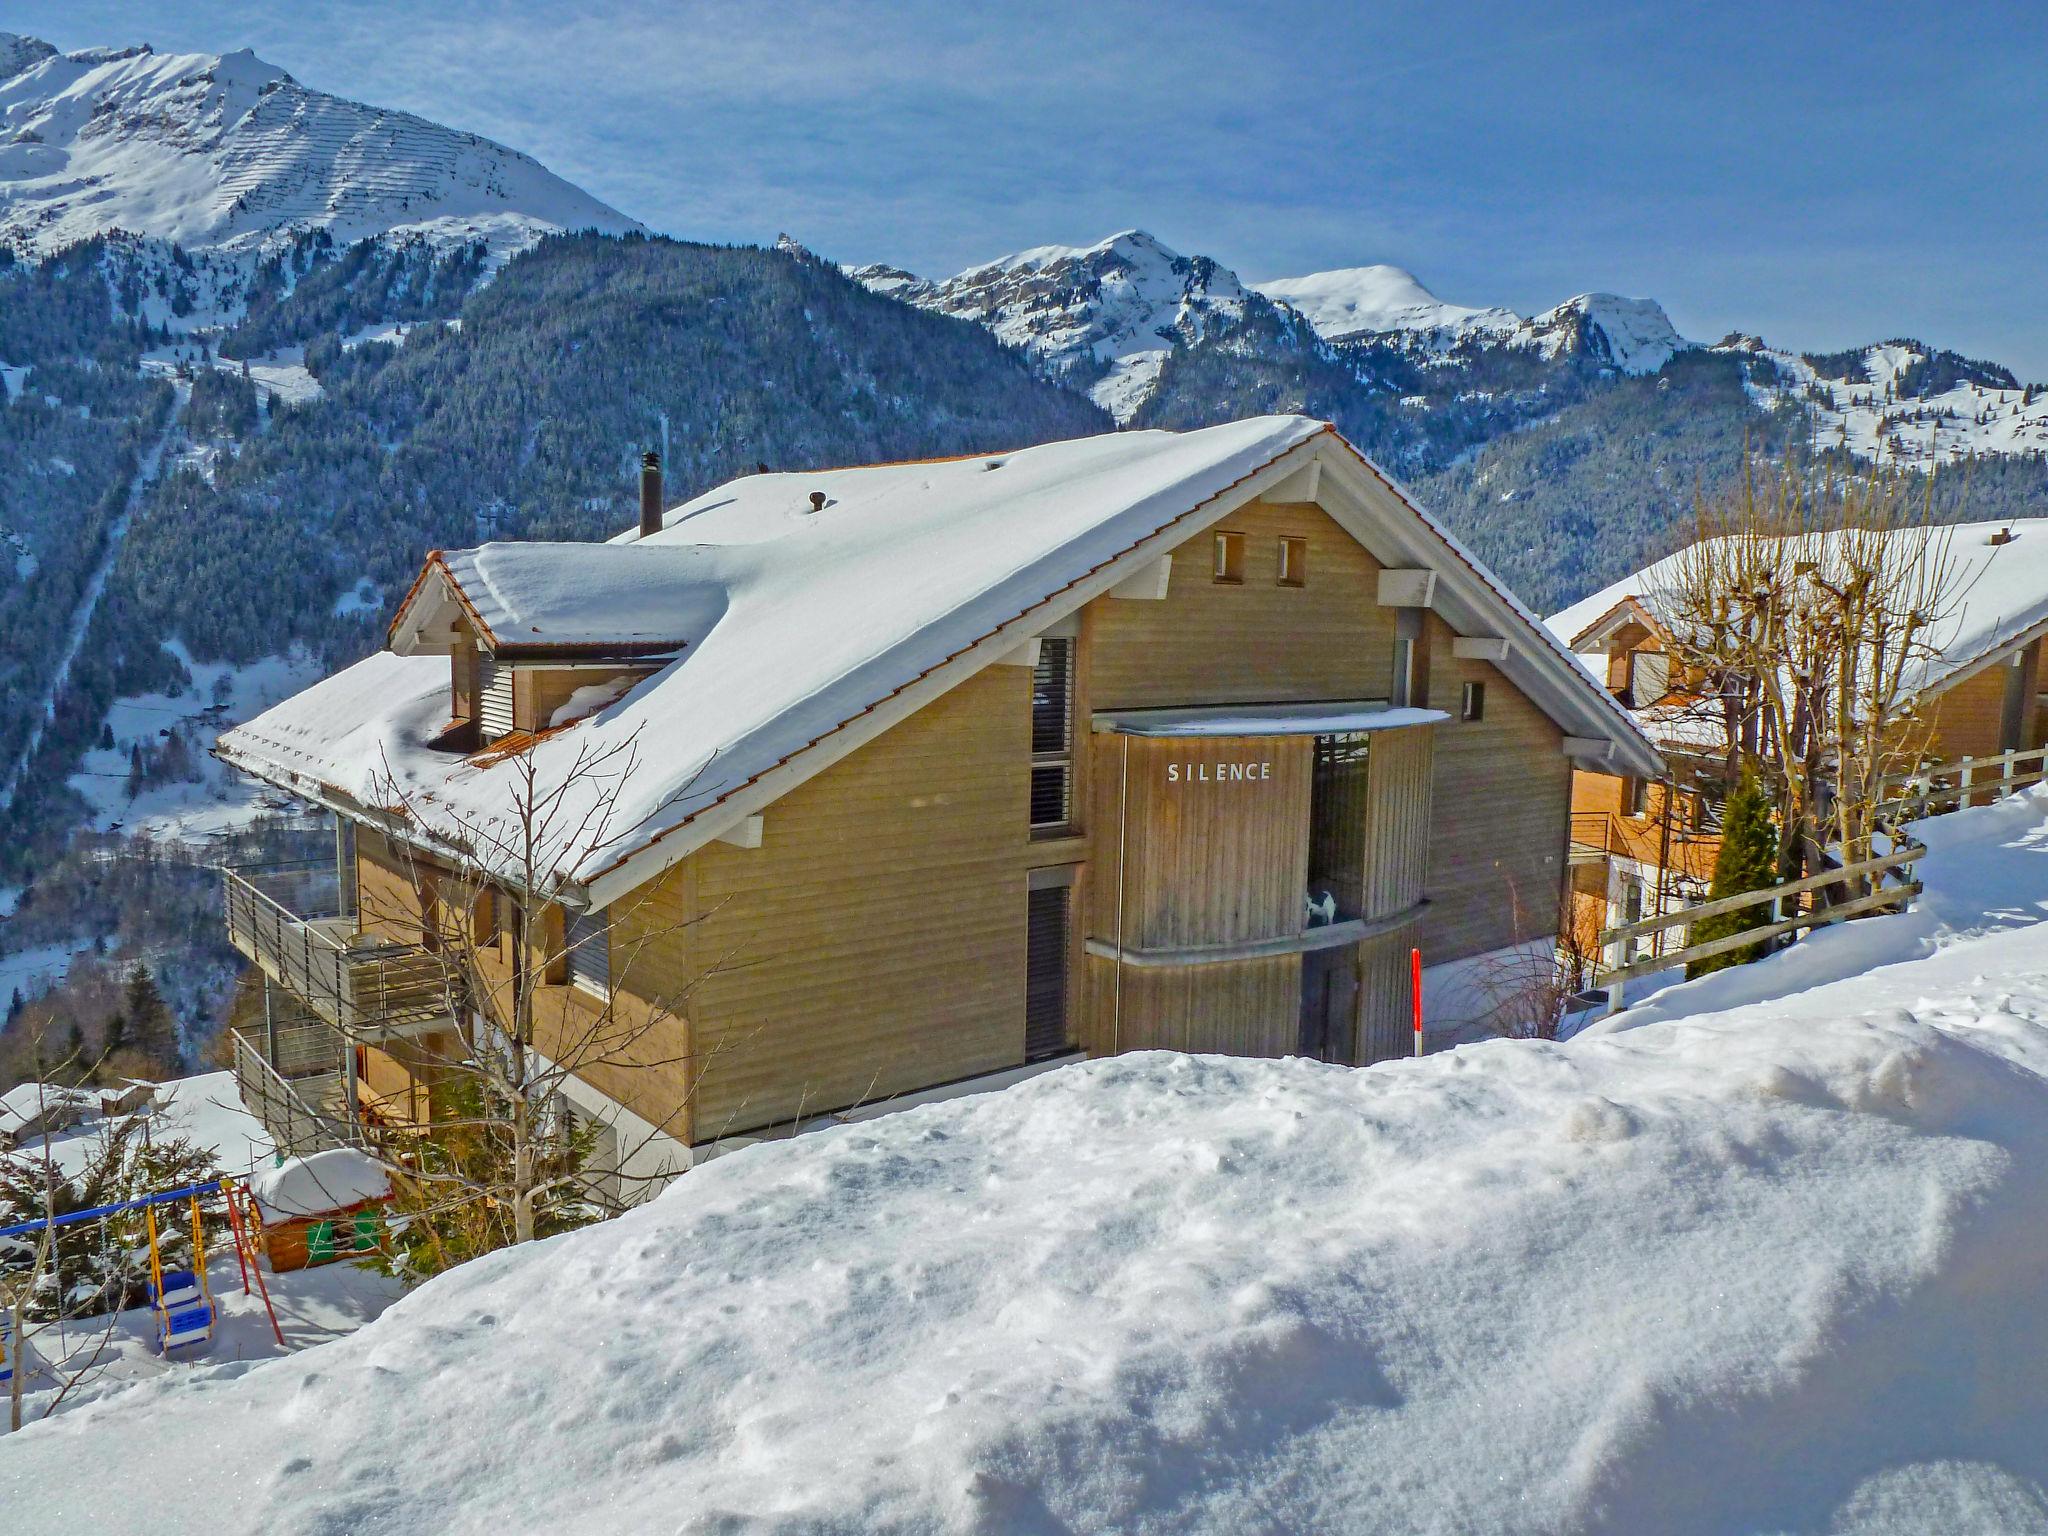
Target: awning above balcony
x: 1328, y: 719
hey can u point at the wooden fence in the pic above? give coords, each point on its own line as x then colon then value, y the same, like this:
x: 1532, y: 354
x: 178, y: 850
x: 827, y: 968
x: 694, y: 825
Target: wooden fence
x: 1803, y: 905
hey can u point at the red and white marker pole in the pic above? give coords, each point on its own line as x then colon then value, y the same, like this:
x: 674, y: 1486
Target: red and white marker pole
x: 1415, y: 987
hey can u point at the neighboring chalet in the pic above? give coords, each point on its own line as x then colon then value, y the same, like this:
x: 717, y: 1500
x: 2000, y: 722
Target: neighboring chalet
x: 1645, y: 845
x: 944, y: 770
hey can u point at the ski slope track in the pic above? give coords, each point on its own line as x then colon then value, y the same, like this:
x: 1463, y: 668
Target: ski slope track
x: 1779, y: 1264
x: 230, y: 152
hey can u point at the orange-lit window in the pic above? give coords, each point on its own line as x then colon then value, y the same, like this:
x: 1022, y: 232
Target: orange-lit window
x: 1293, y: 562
x: 1230, y: 557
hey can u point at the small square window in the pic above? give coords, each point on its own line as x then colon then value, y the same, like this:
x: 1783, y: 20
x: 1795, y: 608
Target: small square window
x: 1472, y: 705
x: 1293, y: 562
x: 1230, y: 558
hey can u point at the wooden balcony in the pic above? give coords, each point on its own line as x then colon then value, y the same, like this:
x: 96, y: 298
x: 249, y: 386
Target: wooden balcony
x: 290, y: 921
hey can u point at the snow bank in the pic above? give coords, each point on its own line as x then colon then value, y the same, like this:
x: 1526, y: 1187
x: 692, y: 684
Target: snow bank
x: 1785, y: 1269
x: 332, y: 1180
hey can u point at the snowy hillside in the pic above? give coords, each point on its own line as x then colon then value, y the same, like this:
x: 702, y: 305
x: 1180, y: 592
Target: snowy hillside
x: 1902, y: 402
x: 1780, y: 1268
x: 1108, y: 315
x: 228, y: 151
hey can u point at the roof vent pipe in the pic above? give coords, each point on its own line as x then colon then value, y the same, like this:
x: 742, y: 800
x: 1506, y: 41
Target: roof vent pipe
x: 817, y: 501
x: 650, y: 493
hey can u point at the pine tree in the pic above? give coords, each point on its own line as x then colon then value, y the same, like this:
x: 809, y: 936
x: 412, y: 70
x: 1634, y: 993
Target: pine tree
x: 150, y: 1026
x: 77, y: 1065
x: 114, y: 1036
x: 1748, y: 861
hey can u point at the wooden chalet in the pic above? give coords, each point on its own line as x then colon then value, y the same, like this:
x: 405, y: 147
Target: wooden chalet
x: 1645, y: 846
x: 944, y: 772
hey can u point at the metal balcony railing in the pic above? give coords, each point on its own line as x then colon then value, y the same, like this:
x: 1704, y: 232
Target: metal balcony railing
x: 307, y: 1111
x: 290, y: 920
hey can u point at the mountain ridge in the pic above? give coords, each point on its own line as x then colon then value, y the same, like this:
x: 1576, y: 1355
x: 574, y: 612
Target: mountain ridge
x: 226, y: 151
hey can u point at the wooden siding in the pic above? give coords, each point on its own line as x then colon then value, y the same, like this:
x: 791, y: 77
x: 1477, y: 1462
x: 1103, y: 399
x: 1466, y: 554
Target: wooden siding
x: 1257, y: 642
x: 1970, y: 718
x: 1498, y: 825
x: 1236, y: 1007
x: 875, y: 942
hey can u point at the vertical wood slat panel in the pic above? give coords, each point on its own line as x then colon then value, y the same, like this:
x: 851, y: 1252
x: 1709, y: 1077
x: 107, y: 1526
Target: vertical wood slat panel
x: 1398, y: 804
x: 1215, y: 862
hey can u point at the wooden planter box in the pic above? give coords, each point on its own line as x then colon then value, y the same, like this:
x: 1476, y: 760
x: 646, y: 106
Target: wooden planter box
x: 303, y: 1242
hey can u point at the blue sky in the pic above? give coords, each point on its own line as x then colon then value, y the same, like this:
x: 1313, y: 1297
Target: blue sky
x: 1820, y: 174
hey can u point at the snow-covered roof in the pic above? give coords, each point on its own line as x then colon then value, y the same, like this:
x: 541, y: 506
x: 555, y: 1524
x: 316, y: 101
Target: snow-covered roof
x: 29, y: 1103
x: 909, y: 578
x: 598, y: 596
x: 326, y: 1181
x: 1999, y: 596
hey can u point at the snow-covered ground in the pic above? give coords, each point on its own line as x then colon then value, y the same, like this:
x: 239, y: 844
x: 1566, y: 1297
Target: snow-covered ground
x: 1782, y: 1268
x: 282, y: 372
x: 112, y: 1354
x: 219, y: 799
x: 205, y: 1110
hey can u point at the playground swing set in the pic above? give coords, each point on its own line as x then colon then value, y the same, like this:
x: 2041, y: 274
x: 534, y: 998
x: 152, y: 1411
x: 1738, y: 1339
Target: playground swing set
x: 180, y: 1300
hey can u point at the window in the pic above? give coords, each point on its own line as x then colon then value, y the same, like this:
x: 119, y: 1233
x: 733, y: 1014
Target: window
x: 1472, y: 705
x: 1411, y: 661
x: 1052, y: 736
x: 1649, y: 676
x: 1636, y: 796
x: 1047, y: 963
x: 1230, y: 558
x: 587, y: 937
x: 1293, y: 562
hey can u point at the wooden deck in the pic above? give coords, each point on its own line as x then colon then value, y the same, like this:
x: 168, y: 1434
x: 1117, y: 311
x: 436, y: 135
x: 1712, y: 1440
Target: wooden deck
x: 368, y: 988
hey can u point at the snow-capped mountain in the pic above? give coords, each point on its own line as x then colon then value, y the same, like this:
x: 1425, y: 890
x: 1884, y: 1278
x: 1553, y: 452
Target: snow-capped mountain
x: 1356, y: 302
x: 228, y: 152
x: 1106, y: 315
x: 1386, y: 305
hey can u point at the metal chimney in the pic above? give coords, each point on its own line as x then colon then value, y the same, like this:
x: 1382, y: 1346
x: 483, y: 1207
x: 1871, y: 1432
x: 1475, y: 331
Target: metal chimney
x: 650, y: 493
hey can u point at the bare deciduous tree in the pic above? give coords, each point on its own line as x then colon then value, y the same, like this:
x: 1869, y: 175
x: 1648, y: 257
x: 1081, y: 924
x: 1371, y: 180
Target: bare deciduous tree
x: 490, y: 902
x: 1804, y: 618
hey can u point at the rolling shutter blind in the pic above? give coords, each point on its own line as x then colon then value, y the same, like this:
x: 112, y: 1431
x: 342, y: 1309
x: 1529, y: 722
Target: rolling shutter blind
x: 494, y: 699
x: 1045, y: 973
x: 1052, y: 734
x: 589, y: 941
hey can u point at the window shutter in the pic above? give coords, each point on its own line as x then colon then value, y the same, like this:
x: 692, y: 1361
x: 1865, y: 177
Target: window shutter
x: 588, y: 938
x: 1052, y: 734
x: 494, y: 700
x: 1045, y: 972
